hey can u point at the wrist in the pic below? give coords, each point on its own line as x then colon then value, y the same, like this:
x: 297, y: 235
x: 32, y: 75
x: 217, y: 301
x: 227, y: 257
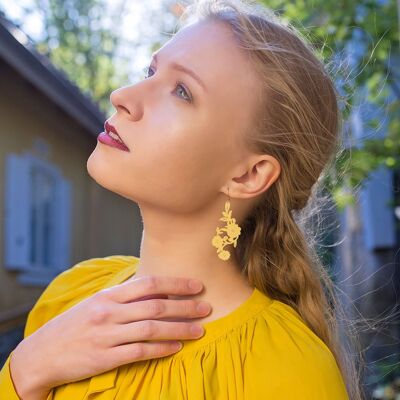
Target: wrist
x: 26, y: 376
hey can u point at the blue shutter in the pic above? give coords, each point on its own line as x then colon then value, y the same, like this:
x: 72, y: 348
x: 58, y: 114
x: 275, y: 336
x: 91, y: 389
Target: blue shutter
x: 62, y: 227
x: 376, y: 211
x: 17, y: 212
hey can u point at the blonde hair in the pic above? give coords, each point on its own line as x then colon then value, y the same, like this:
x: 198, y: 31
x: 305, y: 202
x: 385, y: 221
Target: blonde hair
x: 299, y: 123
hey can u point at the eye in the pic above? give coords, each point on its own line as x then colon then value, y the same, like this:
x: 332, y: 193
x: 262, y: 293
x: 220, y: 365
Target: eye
x: 178, y: 84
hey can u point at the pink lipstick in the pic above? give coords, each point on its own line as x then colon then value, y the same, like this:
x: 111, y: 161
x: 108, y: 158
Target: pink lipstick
x: 111, y: 137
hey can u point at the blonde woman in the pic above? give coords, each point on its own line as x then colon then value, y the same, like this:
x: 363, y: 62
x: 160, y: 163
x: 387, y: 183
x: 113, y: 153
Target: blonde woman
x: 221, y: 146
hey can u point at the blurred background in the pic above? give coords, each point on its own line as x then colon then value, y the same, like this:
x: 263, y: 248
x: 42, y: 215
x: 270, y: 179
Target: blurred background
x: 59, y: 62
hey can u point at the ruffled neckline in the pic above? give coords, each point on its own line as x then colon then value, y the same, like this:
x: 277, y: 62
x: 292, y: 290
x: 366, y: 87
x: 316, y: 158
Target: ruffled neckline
x: 256, y: 303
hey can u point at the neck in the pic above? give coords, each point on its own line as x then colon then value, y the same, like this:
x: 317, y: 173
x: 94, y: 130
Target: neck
x: 180, y: 246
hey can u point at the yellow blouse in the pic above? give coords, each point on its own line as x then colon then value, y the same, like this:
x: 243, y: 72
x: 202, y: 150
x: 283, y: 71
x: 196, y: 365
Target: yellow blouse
x: 261, y: 350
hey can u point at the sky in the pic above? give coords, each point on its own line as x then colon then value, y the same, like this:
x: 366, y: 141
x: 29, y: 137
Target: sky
x: 136, y: 24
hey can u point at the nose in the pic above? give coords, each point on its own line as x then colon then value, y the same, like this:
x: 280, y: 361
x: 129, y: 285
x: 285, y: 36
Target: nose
x: 126, y: 101
x: 116, y: 101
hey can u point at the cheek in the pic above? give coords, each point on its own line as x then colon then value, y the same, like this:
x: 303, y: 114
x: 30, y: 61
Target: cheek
x: 187, y: 164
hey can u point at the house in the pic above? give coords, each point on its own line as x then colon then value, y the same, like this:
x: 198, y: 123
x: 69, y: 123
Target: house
x: 51, y: 211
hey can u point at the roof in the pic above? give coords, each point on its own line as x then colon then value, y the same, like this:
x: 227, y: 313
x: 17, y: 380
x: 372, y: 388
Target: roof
x: 18, y: 50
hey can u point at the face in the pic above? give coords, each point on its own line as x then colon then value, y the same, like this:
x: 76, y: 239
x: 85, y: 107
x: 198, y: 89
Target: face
x: 185, y: 138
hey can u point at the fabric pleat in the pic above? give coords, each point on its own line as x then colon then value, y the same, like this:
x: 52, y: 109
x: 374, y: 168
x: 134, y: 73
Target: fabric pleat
x: 261, y: 350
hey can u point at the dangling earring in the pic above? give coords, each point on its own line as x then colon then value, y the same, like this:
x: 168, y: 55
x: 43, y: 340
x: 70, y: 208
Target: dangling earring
x: 232, y: 230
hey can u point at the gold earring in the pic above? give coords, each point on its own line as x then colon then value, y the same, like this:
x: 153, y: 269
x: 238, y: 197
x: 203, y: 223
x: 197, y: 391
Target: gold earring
x: 232, y: 230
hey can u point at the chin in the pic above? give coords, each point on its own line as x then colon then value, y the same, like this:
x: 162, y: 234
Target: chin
x: 104, y: 176
x: 97, y: 169
x: 90, y: 165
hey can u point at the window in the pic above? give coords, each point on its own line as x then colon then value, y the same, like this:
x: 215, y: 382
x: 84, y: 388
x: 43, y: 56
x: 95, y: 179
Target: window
x: 37, y: 219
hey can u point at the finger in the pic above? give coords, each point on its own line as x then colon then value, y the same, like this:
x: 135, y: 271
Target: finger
x: 131, y: 352
x: 159, y: 309
x: 154, y: 330
x: 152, y: 285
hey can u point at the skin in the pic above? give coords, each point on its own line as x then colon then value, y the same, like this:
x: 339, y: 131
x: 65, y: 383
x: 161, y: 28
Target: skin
x: 183, y: 157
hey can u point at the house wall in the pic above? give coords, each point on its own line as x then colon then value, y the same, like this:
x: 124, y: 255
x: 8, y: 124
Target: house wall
x: 27, y: 116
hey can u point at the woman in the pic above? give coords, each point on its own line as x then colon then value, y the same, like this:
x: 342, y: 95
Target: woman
x: 220, y: 146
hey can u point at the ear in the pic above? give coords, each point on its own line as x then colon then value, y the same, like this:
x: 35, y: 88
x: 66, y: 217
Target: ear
x: 260, y: 172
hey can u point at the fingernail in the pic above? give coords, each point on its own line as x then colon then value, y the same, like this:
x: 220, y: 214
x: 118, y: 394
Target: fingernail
x: 197, y: 330
x: 195, y: 284
x: 177, y: 346
x: 203, y: 307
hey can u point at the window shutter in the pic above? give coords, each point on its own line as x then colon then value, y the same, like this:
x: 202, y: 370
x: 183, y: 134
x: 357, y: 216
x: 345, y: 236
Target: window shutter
x: 62, y: 228
x: 17, y: 212
x: 376, y: 211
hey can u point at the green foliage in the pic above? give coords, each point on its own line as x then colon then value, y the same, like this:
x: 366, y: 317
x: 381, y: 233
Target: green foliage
x: 330, y: 26
x: 78, y: 41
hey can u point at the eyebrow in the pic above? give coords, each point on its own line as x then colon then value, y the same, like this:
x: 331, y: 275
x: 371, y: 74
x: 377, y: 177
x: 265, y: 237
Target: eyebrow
x: 188, y: 71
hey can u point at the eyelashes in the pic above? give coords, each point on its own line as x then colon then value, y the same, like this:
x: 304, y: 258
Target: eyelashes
x: 178, y: 84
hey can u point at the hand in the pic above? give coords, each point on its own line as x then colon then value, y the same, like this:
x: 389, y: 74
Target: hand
x: 115, y: 326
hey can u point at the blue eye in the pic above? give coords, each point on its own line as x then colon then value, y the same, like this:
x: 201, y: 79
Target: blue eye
x: 187, y: 97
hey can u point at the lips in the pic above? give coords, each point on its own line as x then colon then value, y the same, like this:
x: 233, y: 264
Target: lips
x: 111, y: 128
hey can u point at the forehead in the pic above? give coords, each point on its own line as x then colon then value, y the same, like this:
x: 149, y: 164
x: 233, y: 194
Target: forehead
x: 211, y: 51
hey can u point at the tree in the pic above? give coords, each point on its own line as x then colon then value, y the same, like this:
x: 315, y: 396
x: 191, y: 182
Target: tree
x: 83, y: 43
x: 334, y: 28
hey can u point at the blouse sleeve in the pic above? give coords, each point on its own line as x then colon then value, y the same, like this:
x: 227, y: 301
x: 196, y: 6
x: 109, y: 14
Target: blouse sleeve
x: 66, y: 289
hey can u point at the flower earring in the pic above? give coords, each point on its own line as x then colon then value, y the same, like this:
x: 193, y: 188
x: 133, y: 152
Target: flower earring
x: 232, y: 230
